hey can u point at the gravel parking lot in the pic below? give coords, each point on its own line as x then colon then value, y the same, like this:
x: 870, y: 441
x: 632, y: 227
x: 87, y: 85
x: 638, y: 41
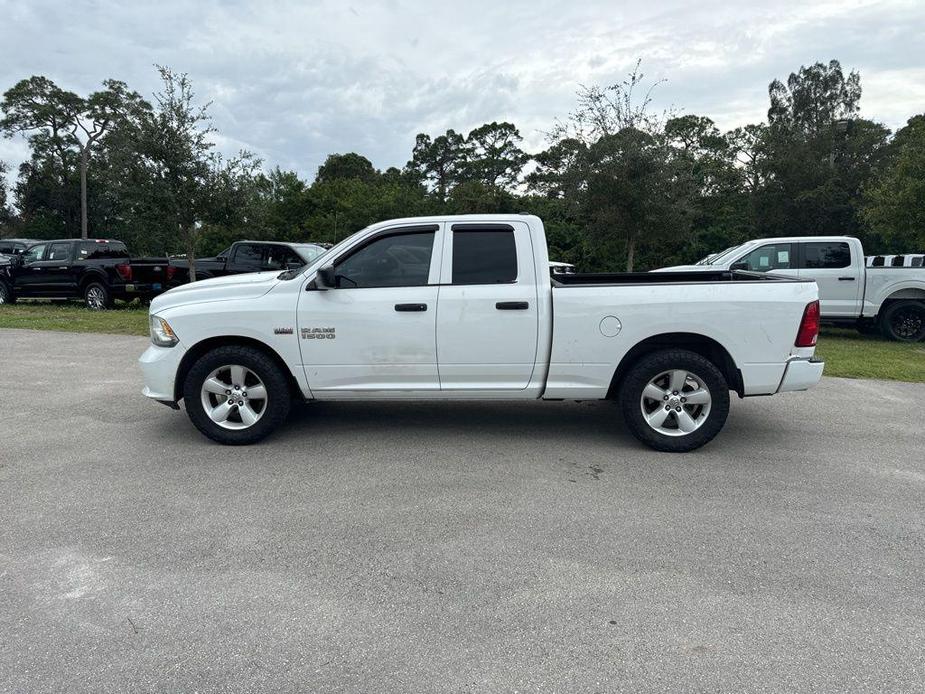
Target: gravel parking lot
x: 451, y: 547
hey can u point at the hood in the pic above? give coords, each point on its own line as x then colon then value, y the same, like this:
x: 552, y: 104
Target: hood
x: 689, y: 268
x: 246, y: 286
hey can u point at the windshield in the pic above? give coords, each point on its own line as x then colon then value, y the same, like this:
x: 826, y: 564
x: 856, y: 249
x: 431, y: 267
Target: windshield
x: 308, y: 253
x: 718, y: 258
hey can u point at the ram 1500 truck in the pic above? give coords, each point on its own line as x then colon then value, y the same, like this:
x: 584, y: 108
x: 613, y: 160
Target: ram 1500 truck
x: 248, y: 256
x: 464, y: 308
x: 877, y: 297
x: 98, y: 271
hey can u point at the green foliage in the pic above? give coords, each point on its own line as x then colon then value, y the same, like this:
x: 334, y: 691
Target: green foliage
x: 618, y: 185
x: 895, y: 204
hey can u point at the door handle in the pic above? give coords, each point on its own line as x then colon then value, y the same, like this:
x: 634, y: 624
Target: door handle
x: 62, y: 267
x: 846, y: 279
x: 512, y: 305
x: 410, y: 307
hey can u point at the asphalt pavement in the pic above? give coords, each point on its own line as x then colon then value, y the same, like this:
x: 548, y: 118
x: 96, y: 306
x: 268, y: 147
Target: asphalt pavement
x: 451, y: 547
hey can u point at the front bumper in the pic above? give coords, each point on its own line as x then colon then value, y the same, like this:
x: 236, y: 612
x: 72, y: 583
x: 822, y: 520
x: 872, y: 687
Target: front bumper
x: 159, y: 366
x: 801, y: 374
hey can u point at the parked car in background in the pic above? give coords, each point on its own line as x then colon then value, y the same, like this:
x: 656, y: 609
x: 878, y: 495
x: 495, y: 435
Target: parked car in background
x: 464, y: 307
x: 884, y: 297
x: 557, y: 268
x: 98, y: 271
x: 248, y: 256
x: 15, y: 246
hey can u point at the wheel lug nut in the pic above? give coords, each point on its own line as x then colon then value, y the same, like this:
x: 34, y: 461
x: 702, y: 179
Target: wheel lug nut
x: 227, y: 392
x: 674, y: 392
x: 665, y: 397
x: 678, y: 409
x: 683, y: 399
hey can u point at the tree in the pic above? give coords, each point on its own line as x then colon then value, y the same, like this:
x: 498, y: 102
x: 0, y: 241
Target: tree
x: 495, y: 158
x: 895, y: 205
x: 64, y: 121
x: 345, y: 166
x: 814, y: 98
x: 5, y: 214
x: 440, y: 162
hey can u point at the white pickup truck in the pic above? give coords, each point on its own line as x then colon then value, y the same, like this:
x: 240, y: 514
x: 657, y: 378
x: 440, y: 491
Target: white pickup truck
x: 464, y: 308
x: 884, y: 297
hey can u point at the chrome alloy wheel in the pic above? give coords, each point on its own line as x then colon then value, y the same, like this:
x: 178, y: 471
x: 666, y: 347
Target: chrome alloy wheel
x: 234, y: 397
x: 675, y: 402
x: 96, y: 300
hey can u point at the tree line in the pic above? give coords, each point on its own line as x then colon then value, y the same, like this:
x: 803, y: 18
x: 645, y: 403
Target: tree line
x: 619, y: 184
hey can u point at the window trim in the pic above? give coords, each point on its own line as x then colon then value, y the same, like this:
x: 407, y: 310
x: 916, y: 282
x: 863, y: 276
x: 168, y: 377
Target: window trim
x: 387, y: 233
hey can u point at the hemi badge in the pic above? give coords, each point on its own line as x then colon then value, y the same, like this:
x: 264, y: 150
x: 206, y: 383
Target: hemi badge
x: 282, y: 331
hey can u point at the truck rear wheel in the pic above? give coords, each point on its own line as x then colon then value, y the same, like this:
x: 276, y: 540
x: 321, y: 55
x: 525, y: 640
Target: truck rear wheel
x: 674, y: 400
x: 97, y: 297
x: 904, y: 321
x: 236, y: 395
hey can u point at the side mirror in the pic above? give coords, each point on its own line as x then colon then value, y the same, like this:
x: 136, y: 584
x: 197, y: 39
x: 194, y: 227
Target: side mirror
x: 739, y: 266
x: 325, y: 279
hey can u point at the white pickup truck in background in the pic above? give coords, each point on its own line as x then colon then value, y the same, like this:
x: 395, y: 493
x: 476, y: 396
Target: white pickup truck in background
x: 465, y: 308
x: 872, y: 296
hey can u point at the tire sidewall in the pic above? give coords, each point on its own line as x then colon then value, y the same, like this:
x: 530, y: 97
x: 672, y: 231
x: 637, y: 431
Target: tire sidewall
x: 649, y: 367
x: 107, y: 298
x: 274, y: 380
x: 6, y: 294
x: 887, y: 323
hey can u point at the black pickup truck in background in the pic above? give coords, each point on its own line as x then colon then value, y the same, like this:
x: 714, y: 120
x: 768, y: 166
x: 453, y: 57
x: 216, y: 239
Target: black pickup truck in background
x: 14, y: 246
x: 248, y: 256
x: 98, y: 271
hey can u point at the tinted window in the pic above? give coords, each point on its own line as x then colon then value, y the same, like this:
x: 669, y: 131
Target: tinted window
x: 401, y: 260
x: 6, y: 248
x: 280, y: 257
x: 774, y: 256
x: 484, y: 257
x: 59, y: 252
x: 249, y: 255
x: 828, y: 254
x: 91, y: 250
x: 117, y: 249
x: 33, y: 254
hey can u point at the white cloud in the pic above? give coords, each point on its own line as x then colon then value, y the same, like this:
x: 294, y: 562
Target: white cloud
x: 295, y: 81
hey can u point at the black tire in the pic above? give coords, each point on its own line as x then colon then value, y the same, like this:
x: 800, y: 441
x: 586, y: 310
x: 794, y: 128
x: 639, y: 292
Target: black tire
x: 97, y: 297
x: 904, y: 321
x: 6, y: 294
x: 275, y: 407
x: 647, y: 369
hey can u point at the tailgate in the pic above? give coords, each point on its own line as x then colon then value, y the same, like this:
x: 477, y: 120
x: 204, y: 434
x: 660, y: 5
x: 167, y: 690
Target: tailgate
x: 151, y: 271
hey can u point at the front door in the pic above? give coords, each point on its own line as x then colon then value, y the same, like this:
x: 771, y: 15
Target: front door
x: 487, y: 314
x: 375, y: 331
x: 29, y: 274
x: 57, y: 275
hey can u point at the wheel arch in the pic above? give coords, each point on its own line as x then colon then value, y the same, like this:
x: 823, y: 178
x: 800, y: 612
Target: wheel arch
x: 91, y: 276
x: 705, y: 346
x: 913, y: 293
x: 204, y: 346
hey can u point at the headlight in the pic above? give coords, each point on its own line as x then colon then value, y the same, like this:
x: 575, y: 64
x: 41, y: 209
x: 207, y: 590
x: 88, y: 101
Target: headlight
x: 161, y: 333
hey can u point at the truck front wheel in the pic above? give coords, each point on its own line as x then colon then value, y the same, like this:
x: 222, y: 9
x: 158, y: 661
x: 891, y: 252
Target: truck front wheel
x: 236, y: 395
x: 6, y: 294
x: 674, y: 400
x: 904, y: 321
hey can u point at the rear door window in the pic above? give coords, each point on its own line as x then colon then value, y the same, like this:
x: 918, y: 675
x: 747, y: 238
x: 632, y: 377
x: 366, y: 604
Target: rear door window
x: 826, y: 255
x: 484, y: 257
x: 249, y: 256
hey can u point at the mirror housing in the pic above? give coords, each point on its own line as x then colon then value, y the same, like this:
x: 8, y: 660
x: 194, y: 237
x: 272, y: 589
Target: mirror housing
x: 739, y: 266
x: 325, y: 278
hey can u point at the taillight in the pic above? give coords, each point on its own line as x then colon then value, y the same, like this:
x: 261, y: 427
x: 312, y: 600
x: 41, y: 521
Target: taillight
x: 171, y: 271
x: 125, y: 271
x: 809, y: 326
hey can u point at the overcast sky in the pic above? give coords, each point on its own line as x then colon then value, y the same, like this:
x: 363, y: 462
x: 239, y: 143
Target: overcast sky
x: 295, y: 81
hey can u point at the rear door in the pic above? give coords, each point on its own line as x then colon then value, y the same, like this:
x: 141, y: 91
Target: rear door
x: 487, y: 314
x: 375, y: 331
x: 829, y: 263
